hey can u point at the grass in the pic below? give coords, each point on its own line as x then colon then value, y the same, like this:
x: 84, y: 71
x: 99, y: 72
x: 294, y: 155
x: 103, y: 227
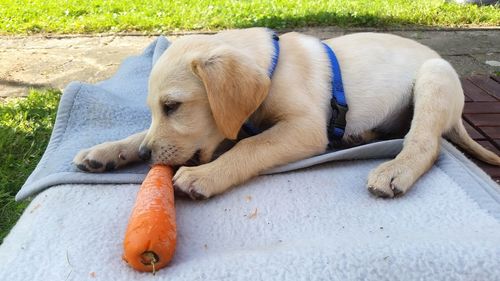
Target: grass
x: 25, y: 128
x: 91, y: 16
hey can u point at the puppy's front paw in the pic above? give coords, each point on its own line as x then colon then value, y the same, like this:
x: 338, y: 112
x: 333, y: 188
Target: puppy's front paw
x: 390, y: 179
x: 196, y: 182
x: 104, y: 157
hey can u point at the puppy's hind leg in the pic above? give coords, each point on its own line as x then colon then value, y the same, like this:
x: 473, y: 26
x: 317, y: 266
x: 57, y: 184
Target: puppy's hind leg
x: 438, y: 101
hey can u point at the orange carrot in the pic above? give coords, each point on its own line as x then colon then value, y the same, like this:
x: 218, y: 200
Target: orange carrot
x: 151, y: 233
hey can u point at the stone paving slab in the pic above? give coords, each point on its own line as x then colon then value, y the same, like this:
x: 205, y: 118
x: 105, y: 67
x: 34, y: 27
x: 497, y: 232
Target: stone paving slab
x: 54, y: 62
x: 38, y: 61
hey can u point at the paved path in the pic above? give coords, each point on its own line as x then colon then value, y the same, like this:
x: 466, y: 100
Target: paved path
x: 38, y: 61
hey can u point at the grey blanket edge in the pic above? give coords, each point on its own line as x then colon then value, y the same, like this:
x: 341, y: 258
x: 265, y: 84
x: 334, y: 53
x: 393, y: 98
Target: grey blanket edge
x: 62, y: 117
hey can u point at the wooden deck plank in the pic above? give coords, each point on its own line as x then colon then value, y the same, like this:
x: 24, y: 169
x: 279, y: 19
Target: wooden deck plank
x: 474, y: 92
x: 482, y: 107
x: 483, y: 120
x: 487, y: 84
x: 489, y: 146
x: 482, y: 116
x: 497, y: 142
x: 475, y: 134
x: 492, y: 132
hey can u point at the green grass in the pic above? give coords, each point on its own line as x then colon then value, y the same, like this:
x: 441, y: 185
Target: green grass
x: 90, y: 16
x: 25, y: 128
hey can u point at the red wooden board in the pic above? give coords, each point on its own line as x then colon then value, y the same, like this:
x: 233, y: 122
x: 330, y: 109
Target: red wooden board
x: 482, y: 115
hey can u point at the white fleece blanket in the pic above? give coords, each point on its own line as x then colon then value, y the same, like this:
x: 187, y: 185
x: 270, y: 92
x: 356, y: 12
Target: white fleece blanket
x: 318, y: 223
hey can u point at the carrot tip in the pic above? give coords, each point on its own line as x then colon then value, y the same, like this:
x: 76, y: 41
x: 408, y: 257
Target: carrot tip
x: 149, y: 257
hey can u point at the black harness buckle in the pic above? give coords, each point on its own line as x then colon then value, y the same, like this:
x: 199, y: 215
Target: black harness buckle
x: 338, y: 120
x: 338, y: 115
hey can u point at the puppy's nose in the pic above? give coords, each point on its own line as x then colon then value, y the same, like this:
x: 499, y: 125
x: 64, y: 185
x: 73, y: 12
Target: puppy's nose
x: 144, y: 153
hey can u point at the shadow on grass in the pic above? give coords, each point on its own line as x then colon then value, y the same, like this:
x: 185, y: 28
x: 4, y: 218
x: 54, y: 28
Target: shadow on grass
x: 25, y: 128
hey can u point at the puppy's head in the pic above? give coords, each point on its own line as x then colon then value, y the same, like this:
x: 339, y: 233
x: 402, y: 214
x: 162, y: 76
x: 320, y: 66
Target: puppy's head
x: 201, y: 91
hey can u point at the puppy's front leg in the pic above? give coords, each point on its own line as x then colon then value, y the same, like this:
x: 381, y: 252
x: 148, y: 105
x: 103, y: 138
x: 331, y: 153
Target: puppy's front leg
x: 110, y: 155
x: 285, y: 142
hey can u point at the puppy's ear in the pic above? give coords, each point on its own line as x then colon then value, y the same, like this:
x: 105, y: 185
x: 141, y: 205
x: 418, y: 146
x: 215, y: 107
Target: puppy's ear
x: 235, y: 85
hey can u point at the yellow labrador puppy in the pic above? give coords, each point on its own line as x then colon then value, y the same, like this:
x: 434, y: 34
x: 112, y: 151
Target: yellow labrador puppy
x: 205, y: 87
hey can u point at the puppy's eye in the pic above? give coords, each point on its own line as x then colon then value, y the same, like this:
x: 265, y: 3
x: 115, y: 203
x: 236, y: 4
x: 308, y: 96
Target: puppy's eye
x: 169, y: 108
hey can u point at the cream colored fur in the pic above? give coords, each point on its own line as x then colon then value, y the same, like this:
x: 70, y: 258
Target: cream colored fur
x: 219, y: 81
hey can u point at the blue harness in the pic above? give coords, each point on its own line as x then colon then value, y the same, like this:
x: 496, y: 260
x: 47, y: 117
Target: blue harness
x: 336, y: 126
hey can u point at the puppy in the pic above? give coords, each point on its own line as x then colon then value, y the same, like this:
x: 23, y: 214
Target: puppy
x: 205, y: 87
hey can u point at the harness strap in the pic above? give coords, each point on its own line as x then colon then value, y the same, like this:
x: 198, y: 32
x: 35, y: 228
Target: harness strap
x: 276, y: 54
x: 337, y: 124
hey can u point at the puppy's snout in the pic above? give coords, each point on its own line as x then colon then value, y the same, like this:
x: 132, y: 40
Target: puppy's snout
x: 144, y: 153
